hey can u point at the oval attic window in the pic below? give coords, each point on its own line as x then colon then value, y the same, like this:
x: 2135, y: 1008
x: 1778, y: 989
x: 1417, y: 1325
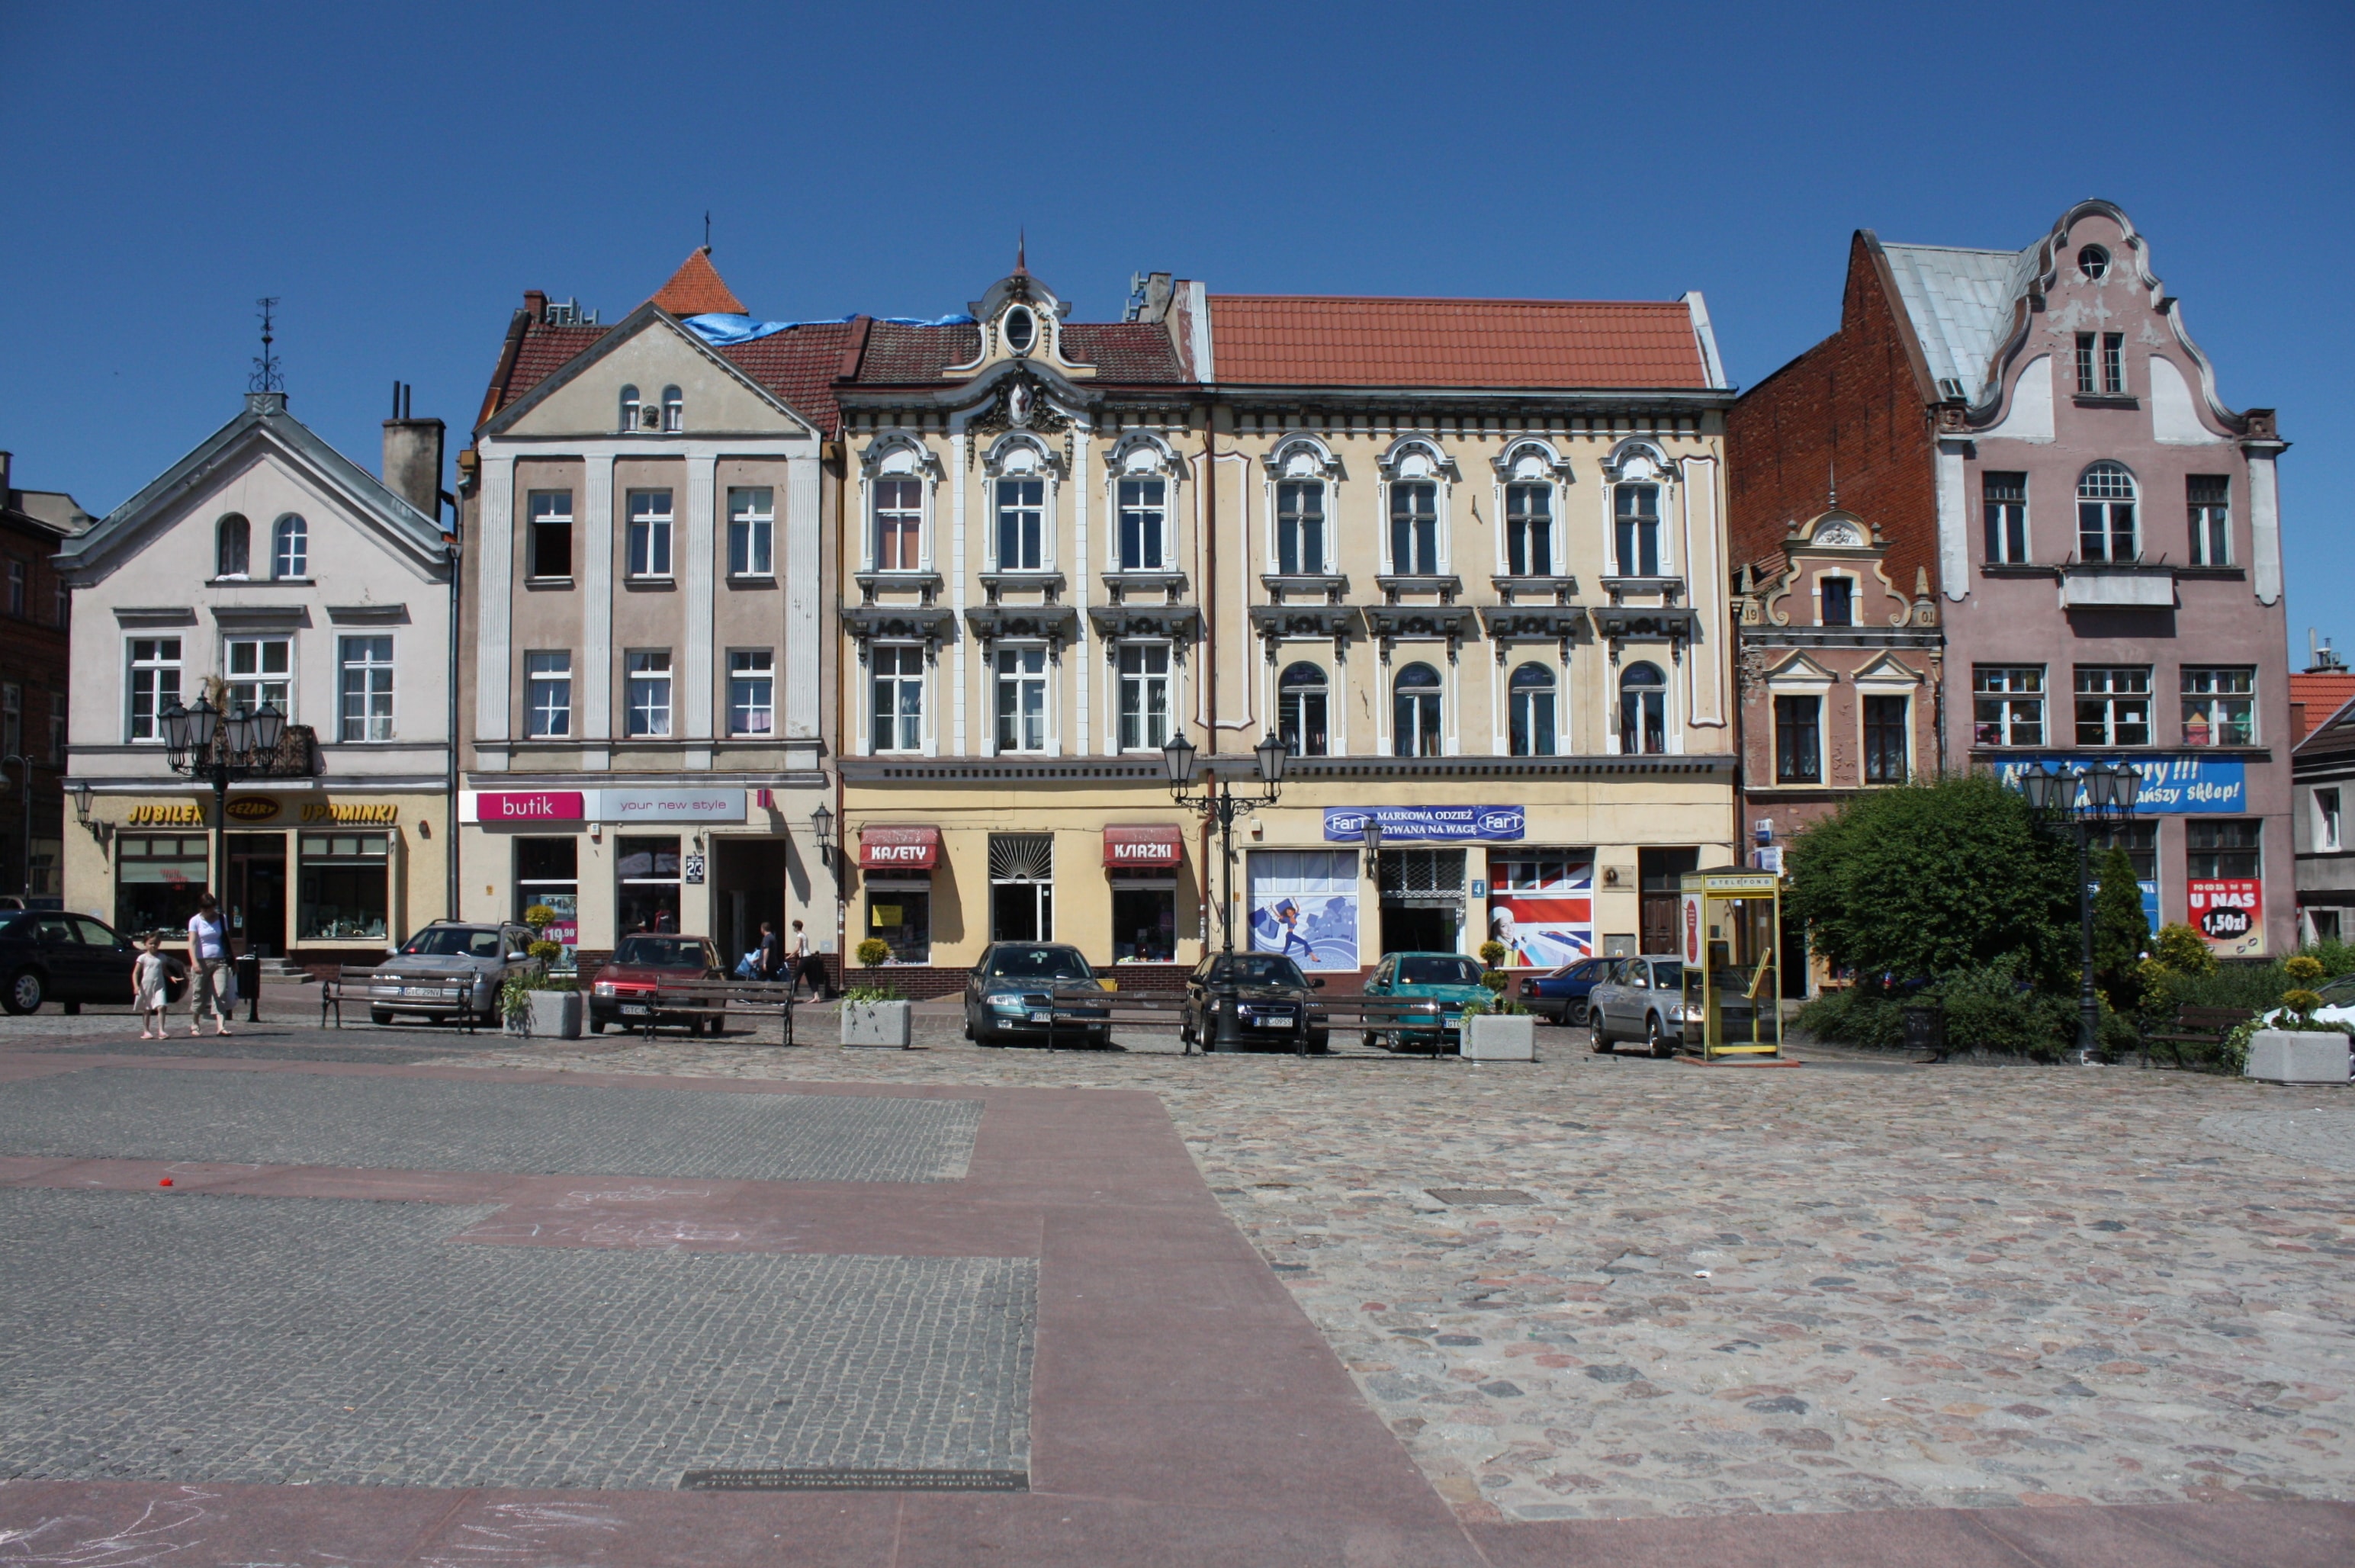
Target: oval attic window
x: 1021, y: 330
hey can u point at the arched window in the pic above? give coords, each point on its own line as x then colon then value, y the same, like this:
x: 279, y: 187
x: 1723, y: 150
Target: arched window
x: 1300, y: 706
x: 1531, y: 695
x: 629, y: 406
x: 290, y: 547
x: 1643, y: 709
x: 233, y: 547
x: 674, y: 415
x: 1416, y: 712
x: 2105, y: 513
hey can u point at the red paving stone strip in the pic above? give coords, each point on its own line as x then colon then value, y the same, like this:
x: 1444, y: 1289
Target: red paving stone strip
x: 1185, y: 1409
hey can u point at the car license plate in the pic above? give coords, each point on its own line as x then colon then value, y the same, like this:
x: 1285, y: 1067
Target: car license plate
x: 1042, y: 1017
x: 1272, y: 1023
x: 420, y: 990
x: 635, y: 1010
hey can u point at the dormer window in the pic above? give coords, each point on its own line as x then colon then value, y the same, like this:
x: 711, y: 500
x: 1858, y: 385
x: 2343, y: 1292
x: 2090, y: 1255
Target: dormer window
x: 673, y: 410
x: 630, y: 408
x: 233, y: 547
x: 1839, y: 601
x: 2095, y: 262
x: 1021, y: 330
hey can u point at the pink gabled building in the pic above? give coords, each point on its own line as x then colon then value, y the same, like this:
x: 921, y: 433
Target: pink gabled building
x: 2037, y: 428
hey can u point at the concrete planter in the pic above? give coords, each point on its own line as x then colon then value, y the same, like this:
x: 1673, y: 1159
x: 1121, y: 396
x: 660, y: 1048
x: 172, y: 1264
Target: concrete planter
x: 879, y: 1023
x: 2298, y: 1056
x: 555, y: 1015
x: 1506, y: 1037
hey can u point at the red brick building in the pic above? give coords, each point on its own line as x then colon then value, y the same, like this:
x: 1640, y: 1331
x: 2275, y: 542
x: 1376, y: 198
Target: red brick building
x: 34, y: 612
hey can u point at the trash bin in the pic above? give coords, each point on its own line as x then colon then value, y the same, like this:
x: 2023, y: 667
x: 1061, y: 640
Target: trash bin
x: 1926, y: 1030
x: 249, y: 985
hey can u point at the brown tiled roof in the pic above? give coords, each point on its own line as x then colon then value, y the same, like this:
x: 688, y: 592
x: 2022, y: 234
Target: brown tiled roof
x: 899, y: 352
x: 796, y: 365
x: 1307, y: 340
x: 1123, y: 351
x: 696, y: 289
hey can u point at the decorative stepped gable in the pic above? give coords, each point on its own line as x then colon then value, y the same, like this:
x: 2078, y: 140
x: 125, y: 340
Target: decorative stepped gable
x: 697, y: 289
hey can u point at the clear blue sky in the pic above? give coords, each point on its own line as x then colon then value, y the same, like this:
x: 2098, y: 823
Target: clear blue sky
x: 399, y: 174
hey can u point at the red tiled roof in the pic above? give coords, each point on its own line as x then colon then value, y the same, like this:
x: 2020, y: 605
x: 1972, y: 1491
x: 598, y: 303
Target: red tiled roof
x: 1306, y: 340
x: 797, y: 366
x: 696, y: 289
x: 2321, y: 695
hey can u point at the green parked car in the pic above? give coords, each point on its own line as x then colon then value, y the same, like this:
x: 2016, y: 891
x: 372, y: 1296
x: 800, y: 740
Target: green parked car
x: 1448, y: 979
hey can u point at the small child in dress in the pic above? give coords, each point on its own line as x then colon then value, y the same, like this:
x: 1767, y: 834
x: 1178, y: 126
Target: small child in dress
x: 148, y: 973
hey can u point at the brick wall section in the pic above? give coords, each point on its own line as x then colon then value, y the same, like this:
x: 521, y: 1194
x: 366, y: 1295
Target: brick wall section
x: 1857, y: 404
x: 34, y: 659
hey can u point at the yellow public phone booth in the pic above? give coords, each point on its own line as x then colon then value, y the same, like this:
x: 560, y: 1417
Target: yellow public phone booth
x: 1730, y: 934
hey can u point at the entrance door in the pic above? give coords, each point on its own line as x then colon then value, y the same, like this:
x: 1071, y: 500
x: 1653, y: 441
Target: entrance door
x: 748, y: 884
x: 256, y: 892
x: 1407, y: 930
x: 1661, y: 873
x: 1021, y: 887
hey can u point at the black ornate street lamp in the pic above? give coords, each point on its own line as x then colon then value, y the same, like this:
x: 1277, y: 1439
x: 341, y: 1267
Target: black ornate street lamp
x: 204, y: 745
x: 2102, y: 792
x: 1223, y: 805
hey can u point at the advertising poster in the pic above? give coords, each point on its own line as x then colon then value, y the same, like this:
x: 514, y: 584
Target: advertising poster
x: 1303, y: 904
x: 2171, y: 786
x: 1426, y: 823
x: 1542, y: 909
x: 2230, y: 912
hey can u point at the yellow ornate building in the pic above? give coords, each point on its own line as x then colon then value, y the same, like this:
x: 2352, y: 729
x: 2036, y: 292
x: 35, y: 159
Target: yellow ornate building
x: 1468, y: 557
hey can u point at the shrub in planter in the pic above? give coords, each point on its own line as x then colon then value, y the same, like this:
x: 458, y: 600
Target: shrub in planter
x: 872, y: 952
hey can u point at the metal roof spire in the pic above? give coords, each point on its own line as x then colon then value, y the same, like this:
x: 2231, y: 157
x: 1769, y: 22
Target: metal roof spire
x: 265, y: 376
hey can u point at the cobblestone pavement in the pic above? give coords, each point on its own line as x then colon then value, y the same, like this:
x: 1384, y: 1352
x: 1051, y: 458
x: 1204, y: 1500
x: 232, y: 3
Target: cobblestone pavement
x: 296, y: 1340
x: 438, y: 1124
x: 2313, y: 1135
x: 1849, y: 1285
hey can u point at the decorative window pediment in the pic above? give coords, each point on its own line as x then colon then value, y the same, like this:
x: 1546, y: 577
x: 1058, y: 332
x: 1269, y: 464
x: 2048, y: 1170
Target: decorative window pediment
x: 1801, y: 673
x: 1639, y: 462
x: 1145, y: 453
x: 1017, y: 454
x: 1888, y: 671
x: 1531, y: 459
x: 1417, y: 458
x: 1302, y: 457
x: 898, y: 453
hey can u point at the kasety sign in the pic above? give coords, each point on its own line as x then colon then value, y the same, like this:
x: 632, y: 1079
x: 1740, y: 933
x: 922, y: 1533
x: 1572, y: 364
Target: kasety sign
x: 635, y: 807
x: 2178, y: 785
x: 1426, y: 823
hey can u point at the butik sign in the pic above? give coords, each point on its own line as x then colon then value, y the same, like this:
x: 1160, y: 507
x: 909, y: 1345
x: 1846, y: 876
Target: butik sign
x: 492, y: 806
x: 1427, y: 824
x: 633, y: 807
x: 2230, y: 911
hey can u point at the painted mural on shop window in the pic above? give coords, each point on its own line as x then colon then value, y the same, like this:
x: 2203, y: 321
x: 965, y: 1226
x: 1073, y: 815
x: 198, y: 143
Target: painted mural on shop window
x: 1541, y: 907
x: 1304, y: 905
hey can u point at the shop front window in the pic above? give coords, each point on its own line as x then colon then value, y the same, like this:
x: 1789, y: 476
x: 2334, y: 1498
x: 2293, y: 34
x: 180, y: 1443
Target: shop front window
x: 647, y: 892
x: 1145, y: 924
x: 901, y: 919
x: 346, y: 887
x: 548, y: 873
x: 157, y: 879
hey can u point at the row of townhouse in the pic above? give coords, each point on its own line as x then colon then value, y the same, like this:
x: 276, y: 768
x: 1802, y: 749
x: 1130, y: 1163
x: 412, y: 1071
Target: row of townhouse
x: 884, y: 625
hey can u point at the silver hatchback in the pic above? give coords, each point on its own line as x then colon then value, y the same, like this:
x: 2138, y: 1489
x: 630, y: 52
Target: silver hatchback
x: 483, y: 953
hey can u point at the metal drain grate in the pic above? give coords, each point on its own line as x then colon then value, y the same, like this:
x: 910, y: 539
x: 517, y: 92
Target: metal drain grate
x: 827, y: 1481
x: 1462, y: 1196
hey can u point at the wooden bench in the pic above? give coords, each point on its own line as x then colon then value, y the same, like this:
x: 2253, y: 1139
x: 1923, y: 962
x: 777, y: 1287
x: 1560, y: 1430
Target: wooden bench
x: 2194, y: 1026
x: 384, y: 987
x: 1393, y: 1023
x: 1117, y: 1008
x: 708, y: 1001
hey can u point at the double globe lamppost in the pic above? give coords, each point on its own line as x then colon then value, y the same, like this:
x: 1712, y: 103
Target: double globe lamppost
x: 205, y: 745
x: 1218, y: 797
x: 2088, y: 797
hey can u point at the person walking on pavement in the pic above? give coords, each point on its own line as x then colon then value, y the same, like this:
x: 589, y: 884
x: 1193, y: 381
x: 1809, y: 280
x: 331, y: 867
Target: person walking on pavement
x: 808, y: 965
x: 208, y: 960
x: 150, y: 980
x: 769, y: 953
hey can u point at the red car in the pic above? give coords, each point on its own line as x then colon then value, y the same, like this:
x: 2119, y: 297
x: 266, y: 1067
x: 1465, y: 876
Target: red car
x: 622, y: 992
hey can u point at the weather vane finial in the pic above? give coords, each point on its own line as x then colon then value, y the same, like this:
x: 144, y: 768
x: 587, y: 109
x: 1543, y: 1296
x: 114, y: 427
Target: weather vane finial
x: 265, y: 376
x: 707, y: 231
x: 1021, y: 249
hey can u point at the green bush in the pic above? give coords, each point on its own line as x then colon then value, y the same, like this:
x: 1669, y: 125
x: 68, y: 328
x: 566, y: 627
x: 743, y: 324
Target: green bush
x: 1987, y: 1007
x: 2182, y: 949
x: 1937, y: 877
x: 872, y: 951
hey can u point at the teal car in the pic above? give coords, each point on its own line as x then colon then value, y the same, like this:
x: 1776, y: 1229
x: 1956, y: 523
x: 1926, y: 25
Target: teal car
x: 1448, y: 979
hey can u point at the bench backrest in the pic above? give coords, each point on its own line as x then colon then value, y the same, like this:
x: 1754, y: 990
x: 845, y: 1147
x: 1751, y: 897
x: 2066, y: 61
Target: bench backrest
x: 2217, y: 1019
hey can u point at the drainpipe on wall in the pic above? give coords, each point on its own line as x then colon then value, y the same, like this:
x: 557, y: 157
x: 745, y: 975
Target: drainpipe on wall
x: 841, y: 692
x: 1210, y: 642
x: 449, y: 817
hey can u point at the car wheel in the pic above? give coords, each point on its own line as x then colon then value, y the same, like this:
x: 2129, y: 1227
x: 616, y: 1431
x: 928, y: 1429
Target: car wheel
x: 968, y: 1028
x: 1100, y: 1039
x: 27, y: 990
x: 1373, y: 1040
x: 1575, y: 1014
x: 1657, y: 1038
x: 595, y: 1026
x: 1184, y: 1029
x: 1320, y: 1041
x: 379, y: 1015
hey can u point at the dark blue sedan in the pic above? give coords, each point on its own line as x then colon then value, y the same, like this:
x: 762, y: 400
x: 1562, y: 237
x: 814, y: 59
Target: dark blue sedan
x: 1560, y: 995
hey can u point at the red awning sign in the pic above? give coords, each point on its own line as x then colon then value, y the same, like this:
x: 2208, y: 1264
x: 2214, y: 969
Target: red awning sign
x: 1130, y: 848
x: 900, y: 848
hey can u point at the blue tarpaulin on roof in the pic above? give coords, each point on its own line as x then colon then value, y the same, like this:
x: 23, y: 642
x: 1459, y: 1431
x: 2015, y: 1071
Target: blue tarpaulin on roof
x: 721, y: 331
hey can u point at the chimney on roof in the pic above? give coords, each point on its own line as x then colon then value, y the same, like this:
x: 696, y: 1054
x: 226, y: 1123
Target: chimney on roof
x: 1151, y: 302
x: 536, y: 302
x: 412, y: 454
x: 8, y: 478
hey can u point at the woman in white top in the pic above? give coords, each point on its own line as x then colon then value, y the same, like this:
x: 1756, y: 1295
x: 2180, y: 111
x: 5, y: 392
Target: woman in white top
x: 208, y: 965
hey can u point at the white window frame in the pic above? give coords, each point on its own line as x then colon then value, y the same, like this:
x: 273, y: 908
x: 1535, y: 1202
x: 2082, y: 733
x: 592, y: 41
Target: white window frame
x: 1659, y: 519
x: 2110, y: 695
x: 1551, y: 493
x: 1671, y: 731
x: 548, y: 508
x: 631, y: 410
x: 873, y: 555
x: 377, y: 680
x: 2109, y: 500
x: 753, y: 526
x: 221, y: 534
x: 153, y: 668
x: 1322, y: 488
x: 660, y: 530
x: 1023, y: 682
x: 1301, y: 459
x: 1328, y: 691
x: 2013, y: 697
x: 544, y: 674
x: 267, y: 684
x: 290, y: 565
x: 749, y: 669
x: 2329, y: 837
x: 2206, y: 519
x: 1855, y: 597
x: 1514, y: 696
x: 1142, y: 681
x: 1440, y: 694
x: 1427, y: 474
x: 2002, y: 555
x: 902, y: 680
x: 1045, y: 516
x: 1163, y: 554
x: 2210, y: 697
x: 674, y: 411
x: 653, y: 670
x: 1867, y: 689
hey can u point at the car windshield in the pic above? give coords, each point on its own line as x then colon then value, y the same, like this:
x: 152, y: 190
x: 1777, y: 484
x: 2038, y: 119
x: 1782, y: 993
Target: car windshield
x: 1039, y: 964
x: 1437, y: 971
x: 1667, y: 976
x: 2340, y: 992
x: 664, y: 952
x: 454, y: 942
x: 1259, y: 969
